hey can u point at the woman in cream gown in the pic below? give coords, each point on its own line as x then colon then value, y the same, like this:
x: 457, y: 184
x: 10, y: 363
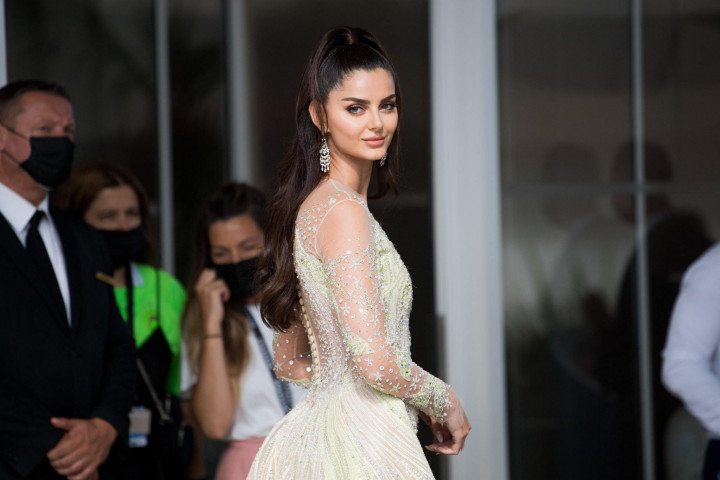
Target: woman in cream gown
x: 350, y: 343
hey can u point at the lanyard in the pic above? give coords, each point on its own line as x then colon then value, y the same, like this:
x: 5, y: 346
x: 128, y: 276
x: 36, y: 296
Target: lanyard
x: 281, y: 388
x: 130, y: 287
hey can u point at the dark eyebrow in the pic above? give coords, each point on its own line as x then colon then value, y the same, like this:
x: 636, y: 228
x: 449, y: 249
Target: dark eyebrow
x: 366, y: 102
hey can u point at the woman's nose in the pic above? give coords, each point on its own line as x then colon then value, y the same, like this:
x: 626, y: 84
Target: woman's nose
x: 125, y: 223
x: 375, y: 120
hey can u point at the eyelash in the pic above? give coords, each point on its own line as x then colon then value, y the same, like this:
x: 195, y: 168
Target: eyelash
x: 355, y: 109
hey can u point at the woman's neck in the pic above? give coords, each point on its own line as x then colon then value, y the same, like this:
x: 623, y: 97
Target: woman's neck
x: 355, y: 175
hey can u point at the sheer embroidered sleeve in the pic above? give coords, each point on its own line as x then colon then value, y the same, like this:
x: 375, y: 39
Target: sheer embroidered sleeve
x: 345, y: 244
x: 293, y: 362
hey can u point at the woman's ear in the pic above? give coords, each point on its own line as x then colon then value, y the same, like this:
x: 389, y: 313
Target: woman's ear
x: 317, y: 116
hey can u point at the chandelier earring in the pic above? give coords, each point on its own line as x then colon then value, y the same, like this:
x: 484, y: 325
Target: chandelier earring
x: 324, y: 156
x: 382, y: 160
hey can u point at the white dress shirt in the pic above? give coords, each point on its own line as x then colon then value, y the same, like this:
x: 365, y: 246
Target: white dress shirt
x: 258, y: 408
x: 18, y: 212
x: 691, y: 359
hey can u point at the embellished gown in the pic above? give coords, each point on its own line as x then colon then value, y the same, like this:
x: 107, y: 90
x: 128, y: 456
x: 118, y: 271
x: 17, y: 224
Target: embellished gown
x: 359, y: 418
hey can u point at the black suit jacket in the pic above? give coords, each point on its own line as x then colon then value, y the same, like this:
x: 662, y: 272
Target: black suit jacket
x: 48, y: 368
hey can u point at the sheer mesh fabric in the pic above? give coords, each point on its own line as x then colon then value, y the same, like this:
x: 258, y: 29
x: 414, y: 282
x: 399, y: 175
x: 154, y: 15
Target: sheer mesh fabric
x: 353, y: 352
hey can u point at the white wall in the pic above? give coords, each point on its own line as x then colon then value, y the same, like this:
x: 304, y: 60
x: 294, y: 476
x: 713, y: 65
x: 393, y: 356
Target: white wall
x: 240, y: 123
x: 3, y: 49
x: 466, y: 199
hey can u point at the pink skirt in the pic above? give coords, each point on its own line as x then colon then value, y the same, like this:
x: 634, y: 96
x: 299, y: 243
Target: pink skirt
x: 237, y: 458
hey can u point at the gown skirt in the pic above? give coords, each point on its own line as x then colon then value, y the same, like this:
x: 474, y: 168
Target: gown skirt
x: 353, y: 432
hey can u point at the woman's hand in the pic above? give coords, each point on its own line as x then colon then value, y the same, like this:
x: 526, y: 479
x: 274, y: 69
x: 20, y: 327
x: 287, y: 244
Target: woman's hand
x: 450, y: 436
x: 439, y: 432
x: 212, y: 400
x: 212, y: 293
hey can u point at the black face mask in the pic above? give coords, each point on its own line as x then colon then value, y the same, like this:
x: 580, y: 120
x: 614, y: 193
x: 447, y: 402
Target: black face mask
x: 50, y: 160
x: 125, y: 245
x: 238, y: 277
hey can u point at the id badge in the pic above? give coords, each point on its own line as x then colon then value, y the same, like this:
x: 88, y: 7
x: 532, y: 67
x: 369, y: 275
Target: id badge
x: 140, y: 422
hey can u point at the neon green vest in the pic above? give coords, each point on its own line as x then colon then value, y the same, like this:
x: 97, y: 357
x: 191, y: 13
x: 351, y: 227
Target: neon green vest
x: 172, y: 301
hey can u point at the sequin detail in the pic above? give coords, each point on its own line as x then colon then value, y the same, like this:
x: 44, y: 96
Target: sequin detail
x: 355, y: 294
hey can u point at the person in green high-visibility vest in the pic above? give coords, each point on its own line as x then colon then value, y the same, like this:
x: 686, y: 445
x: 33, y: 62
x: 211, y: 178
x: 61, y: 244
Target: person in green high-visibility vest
x: 110, y: 198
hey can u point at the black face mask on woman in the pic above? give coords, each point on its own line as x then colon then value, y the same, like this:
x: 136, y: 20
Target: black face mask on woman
x: 238, y: 277
x: 50, y: 160
x: 125, y: 245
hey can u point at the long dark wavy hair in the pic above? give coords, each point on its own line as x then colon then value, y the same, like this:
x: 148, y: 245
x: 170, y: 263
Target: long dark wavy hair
x: 339, y: 53
x: 229, y: 201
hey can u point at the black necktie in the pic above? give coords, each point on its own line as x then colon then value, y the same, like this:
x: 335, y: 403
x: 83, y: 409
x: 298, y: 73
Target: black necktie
x: 36, y: 248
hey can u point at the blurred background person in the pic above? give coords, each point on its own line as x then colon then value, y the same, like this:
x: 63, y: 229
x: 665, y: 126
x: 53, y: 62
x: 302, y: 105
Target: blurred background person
x: 66, y: 359
x: 674, y: 238
x: 691, y: 359
x: 110, y: 198
x: 234, y: 393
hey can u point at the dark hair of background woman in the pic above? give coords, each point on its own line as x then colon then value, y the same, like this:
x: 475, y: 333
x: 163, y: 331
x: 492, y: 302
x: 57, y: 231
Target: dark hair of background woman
x: 229, y: 201
x: 339, y: 53
x: 85, y: 184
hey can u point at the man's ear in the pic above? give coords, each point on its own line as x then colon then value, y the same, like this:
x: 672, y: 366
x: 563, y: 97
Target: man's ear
x: 317, y: 116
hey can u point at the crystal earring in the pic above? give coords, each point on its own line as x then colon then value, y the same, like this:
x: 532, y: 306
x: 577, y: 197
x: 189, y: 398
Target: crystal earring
x: 324, y: 156
x: 382, y: 160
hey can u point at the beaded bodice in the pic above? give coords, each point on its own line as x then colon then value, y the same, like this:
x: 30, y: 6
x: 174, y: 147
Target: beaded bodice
x: 355, y: 300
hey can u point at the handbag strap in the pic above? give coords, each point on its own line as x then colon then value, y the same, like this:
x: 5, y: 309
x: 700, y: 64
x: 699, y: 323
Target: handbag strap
x: 164, y: 416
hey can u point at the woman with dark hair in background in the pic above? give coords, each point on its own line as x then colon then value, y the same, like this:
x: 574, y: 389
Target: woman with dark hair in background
x: 336, y: 290
x: 110, y: 198
x: 234, y: 392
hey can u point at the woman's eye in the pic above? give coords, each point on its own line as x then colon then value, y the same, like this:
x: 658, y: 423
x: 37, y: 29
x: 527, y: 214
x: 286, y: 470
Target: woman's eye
x: 354, y: 109
x: 388, y: 106
x: 219, y: 256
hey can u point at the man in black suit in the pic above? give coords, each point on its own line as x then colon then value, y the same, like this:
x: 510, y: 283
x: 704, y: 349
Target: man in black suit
x: 67, y: 364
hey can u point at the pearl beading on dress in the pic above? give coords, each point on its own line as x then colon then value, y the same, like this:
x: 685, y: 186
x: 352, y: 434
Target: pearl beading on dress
x: 351, y: 347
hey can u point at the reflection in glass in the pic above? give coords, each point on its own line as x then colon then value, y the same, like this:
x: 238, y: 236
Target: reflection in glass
x: 563, y: 271
x: 564, y: 112
x: 199, y: 126
x: 104, y: 54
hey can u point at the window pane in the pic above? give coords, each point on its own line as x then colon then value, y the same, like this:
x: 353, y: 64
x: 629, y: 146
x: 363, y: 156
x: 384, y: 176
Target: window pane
x: 199, y: 111
x: 572, y: 368
x: 104, y: 54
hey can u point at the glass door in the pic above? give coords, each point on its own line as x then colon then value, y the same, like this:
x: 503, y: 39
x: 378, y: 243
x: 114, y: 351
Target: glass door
x: 608, y: 154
